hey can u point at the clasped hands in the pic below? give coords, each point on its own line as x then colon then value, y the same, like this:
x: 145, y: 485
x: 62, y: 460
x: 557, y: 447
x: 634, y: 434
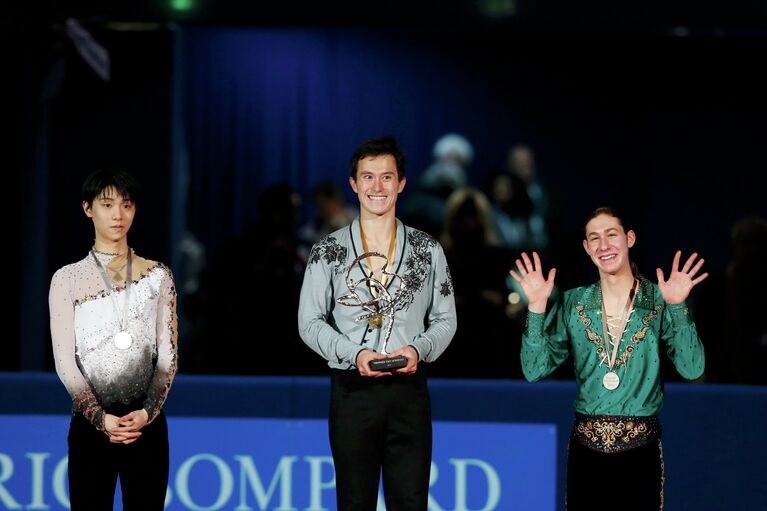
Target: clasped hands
x: 126, y: 429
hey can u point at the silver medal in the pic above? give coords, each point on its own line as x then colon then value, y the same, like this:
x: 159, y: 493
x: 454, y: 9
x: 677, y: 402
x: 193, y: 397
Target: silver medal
x: 123, y: 340
x: 611, y: 380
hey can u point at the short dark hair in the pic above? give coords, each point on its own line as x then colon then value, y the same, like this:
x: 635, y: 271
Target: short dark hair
x: 119, y: 179
x: 379, y: 146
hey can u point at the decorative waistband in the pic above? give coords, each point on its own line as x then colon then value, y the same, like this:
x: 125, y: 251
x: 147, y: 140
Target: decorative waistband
x: 613, y: 433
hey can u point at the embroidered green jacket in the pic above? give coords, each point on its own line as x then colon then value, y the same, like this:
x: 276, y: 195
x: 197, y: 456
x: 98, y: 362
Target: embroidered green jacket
x: 574, y: 327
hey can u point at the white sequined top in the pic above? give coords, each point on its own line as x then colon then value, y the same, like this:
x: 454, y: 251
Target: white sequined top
x: 84, y: 321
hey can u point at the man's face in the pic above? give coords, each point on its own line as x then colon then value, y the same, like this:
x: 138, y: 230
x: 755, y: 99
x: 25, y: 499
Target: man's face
x: 522, y: 163
x: 608, y: 244
x: 111, y: 214
x: 377, y: 185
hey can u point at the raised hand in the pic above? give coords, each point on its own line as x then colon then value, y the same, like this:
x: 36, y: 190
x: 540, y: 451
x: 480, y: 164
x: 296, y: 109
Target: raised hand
x: 530, y: 277
x: 680, y: 282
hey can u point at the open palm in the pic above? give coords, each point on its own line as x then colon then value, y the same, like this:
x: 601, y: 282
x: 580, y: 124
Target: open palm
x: 529, y: 274
x: 680, y: 282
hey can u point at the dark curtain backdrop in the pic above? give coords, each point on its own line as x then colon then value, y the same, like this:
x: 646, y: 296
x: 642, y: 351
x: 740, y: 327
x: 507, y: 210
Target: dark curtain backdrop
x: 268, y: 105
x: 667, y: 127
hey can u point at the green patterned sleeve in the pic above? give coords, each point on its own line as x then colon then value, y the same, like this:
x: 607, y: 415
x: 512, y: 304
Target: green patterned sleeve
x: 682, y: 342
x: 544, y: 343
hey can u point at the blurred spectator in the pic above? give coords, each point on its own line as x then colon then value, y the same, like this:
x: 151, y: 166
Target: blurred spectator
x: 521, y: 163
x: 479, y: 269
x: 520, y: 204
x: 331, y: 213
x: 515, y: 222
x: 251, y: 297
x: 423, y: 208
x: 188, y: 286
x: 193, y: 261
x: 452, y: 155
x: 729, y: 311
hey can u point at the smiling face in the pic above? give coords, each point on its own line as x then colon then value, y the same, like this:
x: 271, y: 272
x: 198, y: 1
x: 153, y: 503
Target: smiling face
x: 112, y: 217
x: 377, y: 185
x: 608, y: 244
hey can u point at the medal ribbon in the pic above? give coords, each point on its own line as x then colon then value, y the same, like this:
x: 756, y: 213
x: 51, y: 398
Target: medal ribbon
x: 108, y: 284
x: 389, y: 256
x: 611, y: 357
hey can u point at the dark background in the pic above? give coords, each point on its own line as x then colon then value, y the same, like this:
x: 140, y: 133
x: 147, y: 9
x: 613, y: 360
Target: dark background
x: 658, y: 108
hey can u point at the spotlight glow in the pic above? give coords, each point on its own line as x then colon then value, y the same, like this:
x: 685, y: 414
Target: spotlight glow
x: 181, y: 5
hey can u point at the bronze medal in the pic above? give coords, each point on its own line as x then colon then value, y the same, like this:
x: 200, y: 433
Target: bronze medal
x: 610, y: 381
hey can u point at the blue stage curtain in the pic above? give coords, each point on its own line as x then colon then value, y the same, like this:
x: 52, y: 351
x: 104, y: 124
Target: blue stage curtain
x: 261, y: 106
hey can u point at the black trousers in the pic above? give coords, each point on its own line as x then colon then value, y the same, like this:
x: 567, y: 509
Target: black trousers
x: 380, y: 426
x: 628, y: 479
x: 95, y: 464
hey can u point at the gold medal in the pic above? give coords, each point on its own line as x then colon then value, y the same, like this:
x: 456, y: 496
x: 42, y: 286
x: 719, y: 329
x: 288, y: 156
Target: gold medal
x: 375, y: 321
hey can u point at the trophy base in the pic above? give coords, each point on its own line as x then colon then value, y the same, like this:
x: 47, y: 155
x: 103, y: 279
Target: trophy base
x: 388, y: 364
